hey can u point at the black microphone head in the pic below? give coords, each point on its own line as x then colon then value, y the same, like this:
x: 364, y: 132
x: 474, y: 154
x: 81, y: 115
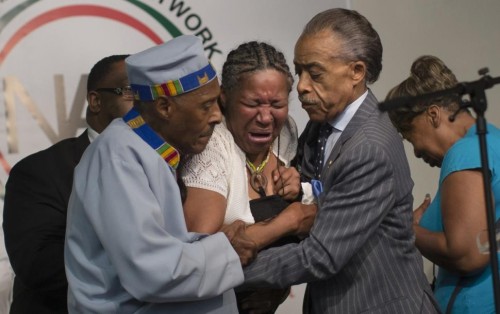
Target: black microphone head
x: 462, y: 105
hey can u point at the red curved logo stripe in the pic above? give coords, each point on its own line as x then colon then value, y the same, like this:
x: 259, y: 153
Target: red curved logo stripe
x: 76, y: 10
x: 4, y: 163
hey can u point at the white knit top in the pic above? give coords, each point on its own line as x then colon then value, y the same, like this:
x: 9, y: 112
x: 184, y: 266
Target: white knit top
x: 221, y: 168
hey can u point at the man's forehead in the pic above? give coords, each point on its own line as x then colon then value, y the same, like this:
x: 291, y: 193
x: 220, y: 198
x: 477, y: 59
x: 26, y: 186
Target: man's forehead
x: 311, y: 56
x: 313, y: 64
x: 317, y: 46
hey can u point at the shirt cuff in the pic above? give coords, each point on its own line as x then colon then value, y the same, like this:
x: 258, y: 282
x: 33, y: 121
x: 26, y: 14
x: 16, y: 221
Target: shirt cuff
x: 307, y: 196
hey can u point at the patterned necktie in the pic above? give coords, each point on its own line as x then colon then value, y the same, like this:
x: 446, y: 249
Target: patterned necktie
x: 324, y: 132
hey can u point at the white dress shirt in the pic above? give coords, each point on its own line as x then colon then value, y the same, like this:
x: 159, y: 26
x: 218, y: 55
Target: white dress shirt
x: 340, y: 122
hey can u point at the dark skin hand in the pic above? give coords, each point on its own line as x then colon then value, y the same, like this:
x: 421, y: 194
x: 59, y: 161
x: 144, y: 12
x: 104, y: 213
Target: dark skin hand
x: 286, y: 182
x: 242, y: 244
x: 419, y: 212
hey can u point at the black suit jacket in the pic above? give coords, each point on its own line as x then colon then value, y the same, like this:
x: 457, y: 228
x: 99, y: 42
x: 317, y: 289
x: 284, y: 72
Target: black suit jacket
x: 36, y: 199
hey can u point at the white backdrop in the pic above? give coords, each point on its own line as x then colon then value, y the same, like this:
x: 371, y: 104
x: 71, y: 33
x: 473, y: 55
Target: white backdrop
x: 44, y: 41
x: 46, y: 46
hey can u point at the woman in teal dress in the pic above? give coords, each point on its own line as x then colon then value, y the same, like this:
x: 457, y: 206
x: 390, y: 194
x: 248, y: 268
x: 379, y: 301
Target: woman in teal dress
x: 447, y: 229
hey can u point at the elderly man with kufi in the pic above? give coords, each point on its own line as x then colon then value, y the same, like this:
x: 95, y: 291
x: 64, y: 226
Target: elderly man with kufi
x: 127, y: 247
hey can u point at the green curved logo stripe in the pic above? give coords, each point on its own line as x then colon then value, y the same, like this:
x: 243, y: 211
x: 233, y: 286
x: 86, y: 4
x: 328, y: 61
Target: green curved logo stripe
x: 9, y: 16
x: 167, y: 25
x: 171, y: 28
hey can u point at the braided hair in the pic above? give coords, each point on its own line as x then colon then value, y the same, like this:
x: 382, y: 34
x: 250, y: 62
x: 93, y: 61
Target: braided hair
x: 250, y: 57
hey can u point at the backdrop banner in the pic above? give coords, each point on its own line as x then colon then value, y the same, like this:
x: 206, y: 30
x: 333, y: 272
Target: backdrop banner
x: 47, y: 48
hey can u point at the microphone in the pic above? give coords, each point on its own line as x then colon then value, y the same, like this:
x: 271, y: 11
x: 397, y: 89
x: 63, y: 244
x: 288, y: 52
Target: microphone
x: 471, y: 88
x: 461, y: 106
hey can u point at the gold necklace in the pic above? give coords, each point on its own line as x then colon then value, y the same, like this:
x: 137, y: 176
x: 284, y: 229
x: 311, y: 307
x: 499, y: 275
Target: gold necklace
x: 258, y: 180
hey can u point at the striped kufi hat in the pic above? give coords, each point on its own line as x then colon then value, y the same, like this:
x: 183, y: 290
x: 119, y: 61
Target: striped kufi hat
x: 175, y: 67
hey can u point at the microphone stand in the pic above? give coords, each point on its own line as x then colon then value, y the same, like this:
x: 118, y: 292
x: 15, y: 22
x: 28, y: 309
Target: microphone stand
x: 476, y: 91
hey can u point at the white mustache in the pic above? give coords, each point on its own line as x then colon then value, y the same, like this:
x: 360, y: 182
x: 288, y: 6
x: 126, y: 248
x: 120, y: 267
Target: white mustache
x: 306, y: 101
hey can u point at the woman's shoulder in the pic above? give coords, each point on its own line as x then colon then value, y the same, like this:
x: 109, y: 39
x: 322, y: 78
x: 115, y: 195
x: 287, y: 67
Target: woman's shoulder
x: 222, y: 135
x: 290, y: 127
x: 217, y: 152
x: 462, y: 155
x: 285, y: 146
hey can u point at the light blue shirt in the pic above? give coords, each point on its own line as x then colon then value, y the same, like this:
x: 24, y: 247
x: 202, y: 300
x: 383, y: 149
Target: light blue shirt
x: 127, y: 247
x: 340, y: 122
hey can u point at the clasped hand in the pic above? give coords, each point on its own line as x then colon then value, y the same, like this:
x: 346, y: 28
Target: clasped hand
x: 286, y: 182
x: 303, y: 215
x: 242, y: 244
x: 419, y: 211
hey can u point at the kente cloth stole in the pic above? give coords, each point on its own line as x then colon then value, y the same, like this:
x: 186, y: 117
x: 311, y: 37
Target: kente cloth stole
x: 141, y: 128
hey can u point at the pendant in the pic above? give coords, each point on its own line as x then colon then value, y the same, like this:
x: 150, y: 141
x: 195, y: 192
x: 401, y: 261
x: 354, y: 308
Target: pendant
x: 257, y: 181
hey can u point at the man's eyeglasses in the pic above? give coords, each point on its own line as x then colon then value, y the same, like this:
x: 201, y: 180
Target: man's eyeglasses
x: 126, y: 92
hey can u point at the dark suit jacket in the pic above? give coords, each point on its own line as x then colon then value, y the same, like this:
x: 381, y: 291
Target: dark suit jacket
x: 360, y: 256
x: 36, y: 199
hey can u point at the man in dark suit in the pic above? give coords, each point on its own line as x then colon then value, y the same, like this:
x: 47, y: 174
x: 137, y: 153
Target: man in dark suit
x: 360, y: 256
x: 37, y: 194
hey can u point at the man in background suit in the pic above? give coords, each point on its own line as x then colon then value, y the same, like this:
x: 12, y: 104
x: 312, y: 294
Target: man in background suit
x: 360, y: 255
x: 37, y: 194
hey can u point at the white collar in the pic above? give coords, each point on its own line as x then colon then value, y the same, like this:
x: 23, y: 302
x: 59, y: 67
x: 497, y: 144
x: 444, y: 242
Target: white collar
x: 342, y: 120
x: 92, y: 134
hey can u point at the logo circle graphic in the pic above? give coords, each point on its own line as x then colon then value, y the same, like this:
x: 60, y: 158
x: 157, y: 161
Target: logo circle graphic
x: 24, y: 22
x: 82, y: 10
